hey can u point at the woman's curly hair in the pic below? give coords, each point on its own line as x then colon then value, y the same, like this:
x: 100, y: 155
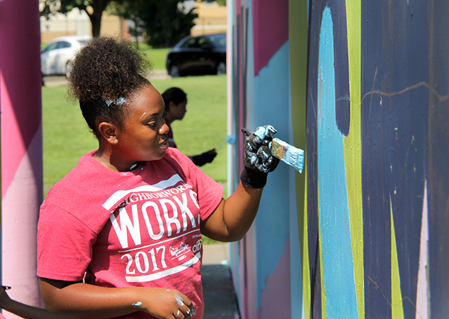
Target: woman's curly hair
x: 105, y: 71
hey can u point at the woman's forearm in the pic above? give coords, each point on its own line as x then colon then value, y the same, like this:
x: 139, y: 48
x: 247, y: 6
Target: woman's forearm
x: 79, y: 300
x: 234, y: 216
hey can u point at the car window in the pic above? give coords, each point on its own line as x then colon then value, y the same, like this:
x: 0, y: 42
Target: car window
x: 204, y: 43
x: 190, y: 43
x: 219, y: 40
x: 50, y: 47
x: 63, y: 45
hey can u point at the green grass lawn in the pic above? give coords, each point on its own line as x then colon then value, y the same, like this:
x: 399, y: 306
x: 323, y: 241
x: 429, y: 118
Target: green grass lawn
x: 156, y: 56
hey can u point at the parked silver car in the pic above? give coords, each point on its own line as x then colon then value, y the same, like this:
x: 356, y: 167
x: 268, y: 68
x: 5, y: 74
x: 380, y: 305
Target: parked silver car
x: 57, y: 56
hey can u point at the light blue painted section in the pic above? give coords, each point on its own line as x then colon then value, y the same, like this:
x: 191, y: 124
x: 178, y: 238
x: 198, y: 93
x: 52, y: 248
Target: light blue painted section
x: 230, y: 152
x: 250, y: 89
x: 296, y: 293
x: 308, y: 3
x: 338, y: 270
x: 231, y: 167
x: 271, y: 100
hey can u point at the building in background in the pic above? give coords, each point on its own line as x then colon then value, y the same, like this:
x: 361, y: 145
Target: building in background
x: 212, y: 18
x: 77, y: 22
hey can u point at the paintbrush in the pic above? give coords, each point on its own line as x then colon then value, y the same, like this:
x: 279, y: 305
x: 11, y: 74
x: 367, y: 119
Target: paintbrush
x: 288, y: 154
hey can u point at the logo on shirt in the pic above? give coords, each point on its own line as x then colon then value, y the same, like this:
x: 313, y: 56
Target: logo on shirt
x: 177, y: 251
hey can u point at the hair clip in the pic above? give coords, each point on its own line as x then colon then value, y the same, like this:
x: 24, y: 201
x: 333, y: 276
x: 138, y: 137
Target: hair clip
x: 117, y: 102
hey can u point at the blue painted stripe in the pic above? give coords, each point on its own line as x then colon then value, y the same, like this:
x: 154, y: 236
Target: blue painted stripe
x: 334, y: 223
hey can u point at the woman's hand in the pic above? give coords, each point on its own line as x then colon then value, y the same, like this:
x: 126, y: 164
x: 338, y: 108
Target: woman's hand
x: 257, y: 156
x: 166, y: 304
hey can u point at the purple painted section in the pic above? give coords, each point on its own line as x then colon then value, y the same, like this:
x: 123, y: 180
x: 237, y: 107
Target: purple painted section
x: 276, y: 305
x: 270, y: 29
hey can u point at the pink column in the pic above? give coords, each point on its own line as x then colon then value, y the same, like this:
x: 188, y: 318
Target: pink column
x: 21, y: 146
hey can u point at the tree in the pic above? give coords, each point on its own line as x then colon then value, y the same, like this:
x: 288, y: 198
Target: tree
x: 165, y: 21
x: 129, y: 10
x: 93, y: 8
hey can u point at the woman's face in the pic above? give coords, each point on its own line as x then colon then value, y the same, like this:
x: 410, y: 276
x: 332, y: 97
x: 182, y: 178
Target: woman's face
x: 179, y: 110
x: 143, y: 136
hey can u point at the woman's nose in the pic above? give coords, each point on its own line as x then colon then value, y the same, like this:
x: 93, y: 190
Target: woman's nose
x: 164, y: 129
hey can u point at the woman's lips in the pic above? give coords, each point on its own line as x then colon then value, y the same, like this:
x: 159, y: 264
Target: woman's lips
x: 164, y: 144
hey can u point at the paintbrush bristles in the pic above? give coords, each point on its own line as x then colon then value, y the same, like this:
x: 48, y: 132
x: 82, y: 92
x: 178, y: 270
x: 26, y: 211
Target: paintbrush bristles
x: 288, y: 154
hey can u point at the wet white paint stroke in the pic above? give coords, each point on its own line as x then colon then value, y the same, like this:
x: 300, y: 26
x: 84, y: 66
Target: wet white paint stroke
x: 422, y: 294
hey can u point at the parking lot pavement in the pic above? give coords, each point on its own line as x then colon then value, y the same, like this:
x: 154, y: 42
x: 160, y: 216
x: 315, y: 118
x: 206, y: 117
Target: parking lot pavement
x: 62, y: 80
x: 218, y: 290
x: 55, y: 80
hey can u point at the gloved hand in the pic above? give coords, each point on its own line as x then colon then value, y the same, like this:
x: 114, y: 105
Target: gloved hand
x: 204, y: 158
x: 257, y: 156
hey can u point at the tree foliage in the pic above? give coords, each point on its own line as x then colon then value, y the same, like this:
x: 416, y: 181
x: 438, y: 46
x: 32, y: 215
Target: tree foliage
x: 165, y: 21
x: 129, y: 10
x: 93, y: 8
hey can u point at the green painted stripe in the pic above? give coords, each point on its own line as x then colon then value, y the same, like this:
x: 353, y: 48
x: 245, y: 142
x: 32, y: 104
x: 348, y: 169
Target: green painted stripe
x: 353, y: 150
x: 298, y: 34
x: 397, y: 309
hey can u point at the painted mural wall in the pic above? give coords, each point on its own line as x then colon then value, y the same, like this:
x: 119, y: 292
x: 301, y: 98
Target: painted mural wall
x: 363, y: 88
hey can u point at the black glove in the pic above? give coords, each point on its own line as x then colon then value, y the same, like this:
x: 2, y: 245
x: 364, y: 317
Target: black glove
x: 206, y: 157
x: 257, y: 156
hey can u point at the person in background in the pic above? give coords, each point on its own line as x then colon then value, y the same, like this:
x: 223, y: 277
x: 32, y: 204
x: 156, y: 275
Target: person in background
x: 175, y: 101
x: 120, y: 235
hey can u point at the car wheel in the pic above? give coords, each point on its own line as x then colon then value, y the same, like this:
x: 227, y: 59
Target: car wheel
x: 68, y: 68
x: 221, y: 68
x: 175, y: 72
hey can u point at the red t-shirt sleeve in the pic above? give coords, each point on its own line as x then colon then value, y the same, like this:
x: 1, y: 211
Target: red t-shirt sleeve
x: 209, y: 192
x: 64, y: 245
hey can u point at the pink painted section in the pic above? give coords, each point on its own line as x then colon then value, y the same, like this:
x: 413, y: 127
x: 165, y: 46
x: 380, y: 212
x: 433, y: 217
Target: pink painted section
x: 247, y: 274
x: 243, y: 291
x: 19, y: 228
x: 21, y: 146
x: 20, y: 82
x: 251, y: 272
x: 270, y: 30
x: 275, y: 304
x: 238, y: 4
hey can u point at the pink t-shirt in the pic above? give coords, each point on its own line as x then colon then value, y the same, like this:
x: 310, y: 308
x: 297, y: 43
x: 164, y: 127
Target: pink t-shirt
x: 139, y: 228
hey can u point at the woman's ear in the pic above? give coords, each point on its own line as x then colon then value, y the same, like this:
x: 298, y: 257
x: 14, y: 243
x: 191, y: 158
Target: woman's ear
x: 108, y: 131
x: 170, y: 106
